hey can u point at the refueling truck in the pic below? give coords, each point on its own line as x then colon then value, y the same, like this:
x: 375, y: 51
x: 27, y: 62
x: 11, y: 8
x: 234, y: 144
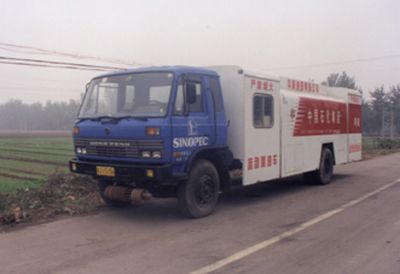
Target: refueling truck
x: 193, y: 133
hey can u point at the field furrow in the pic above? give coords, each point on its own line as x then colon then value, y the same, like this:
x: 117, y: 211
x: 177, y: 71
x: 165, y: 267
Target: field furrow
x: 32, y: 167
x: 45, y: 148
x: 35, y: 151
x: 32, y: 160
x: 36, y: 156
x: 26, y: 161
x: 19, y: 170
x: 17, y: 177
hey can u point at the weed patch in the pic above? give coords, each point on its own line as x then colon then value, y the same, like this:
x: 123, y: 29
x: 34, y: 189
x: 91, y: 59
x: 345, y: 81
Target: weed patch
x: 61, y: 194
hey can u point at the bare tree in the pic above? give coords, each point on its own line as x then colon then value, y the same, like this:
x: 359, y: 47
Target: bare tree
x: 340, y: 80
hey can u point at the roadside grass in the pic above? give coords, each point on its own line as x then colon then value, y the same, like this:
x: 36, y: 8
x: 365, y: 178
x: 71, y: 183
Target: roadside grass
x: 11, y: 185
x: 377, y: 146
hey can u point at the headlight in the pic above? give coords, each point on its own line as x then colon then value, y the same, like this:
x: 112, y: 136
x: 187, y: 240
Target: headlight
x: 146, y: 154
x: 84, y: 150
x: 156, y: 154
x: 79, y: 150
x: 152, y: 131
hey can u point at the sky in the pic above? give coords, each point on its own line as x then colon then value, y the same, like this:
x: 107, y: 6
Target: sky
x: 282, y: 38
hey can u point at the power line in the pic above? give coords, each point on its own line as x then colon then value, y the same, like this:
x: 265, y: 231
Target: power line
x: 36, y: 79
x: 338, y: 63
x: 17, y: 50
x: 39, y: 62
x: 47, y: 94
x: 30, y: 88
x: 65, y: 54
x: 47, y: 66
x: 59, y: 63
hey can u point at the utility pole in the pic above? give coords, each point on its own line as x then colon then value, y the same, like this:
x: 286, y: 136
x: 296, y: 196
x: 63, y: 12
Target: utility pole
x: 383, y: 121
x: 391, y: 123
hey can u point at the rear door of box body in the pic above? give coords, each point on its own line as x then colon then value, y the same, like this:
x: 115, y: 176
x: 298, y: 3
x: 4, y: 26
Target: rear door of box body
x: 354, y: 127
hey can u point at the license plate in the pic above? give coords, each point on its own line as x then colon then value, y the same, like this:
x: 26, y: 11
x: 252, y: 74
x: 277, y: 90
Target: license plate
x: 105, y: 171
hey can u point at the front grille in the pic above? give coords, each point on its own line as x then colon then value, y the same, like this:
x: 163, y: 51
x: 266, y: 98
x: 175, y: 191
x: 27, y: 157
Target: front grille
x: 118, y: 147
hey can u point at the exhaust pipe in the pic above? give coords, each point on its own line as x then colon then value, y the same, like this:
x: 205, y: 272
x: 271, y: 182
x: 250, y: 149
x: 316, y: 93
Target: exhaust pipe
x: 140, y: 195
x: 127, y: 194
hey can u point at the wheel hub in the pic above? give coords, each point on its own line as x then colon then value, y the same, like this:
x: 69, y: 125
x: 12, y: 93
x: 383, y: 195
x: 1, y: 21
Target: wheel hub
x: 205, y: 190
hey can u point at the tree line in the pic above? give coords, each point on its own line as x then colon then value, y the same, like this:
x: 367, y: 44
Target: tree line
x: 16, y: 115
x: 381, y: 112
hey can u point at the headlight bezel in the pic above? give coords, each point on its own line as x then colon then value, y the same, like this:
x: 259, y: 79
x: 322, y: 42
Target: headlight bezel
x: 151, y: 154
x: 81, y: 150
x: 156, y: 154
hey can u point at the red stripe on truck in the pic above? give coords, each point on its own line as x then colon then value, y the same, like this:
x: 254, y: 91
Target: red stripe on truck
x: 320, y: 117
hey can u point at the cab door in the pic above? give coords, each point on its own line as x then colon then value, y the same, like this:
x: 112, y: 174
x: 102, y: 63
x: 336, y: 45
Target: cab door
x: 192, y: 120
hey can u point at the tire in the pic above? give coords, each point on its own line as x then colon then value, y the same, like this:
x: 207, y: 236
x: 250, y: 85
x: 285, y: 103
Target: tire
x: 110, y: 203
x: 198, y: 196
x: 323, y: 175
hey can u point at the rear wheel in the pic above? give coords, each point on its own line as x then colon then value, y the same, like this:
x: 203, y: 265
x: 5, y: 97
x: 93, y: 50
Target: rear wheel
x: 324, y: 174
x: 109, y: 202
x: 198, y: 196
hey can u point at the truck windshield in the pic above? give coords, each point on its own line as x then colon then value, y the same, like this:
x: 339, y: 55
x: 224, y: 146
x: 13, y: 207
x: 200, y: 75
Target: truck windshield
x: 128, y: 95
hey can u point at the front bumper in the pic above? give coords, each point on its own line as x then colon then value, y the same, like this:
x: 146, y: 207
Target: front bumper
x: 162, y: 174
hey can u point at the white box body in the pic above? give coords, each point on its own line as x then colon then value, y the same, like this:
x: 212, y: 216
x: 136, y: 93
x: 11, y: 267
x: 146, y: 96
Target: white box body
x: 305, y: 116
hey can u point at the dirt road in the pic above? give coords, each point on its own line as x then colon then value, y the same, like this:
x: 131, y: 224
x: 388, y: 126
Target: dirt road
x: 349, y: 226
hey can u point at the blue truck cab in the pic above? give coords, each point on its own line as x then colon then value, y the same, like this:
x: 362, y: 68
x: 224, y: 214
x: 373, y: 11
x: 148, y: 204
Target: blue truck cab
x: 159, y: 131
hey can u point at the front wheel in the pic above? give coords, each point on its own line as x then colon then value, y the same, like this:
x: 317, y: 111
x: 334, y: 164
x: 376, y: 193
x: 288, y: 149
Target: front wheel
x: 198, y: 196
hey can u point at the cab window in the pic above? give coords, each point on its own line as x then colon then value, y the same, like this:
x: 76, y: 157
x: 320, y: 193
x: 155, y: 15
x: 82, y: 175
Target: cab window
x: 179, y: 106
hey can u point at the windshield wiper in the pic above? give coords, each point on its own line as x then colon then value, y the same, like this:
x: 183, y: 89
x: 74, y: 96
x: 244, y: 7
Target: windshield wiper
x: 96, y: 118
x: 112, y: 118
x: 105, y: 117
x: 131, y: 117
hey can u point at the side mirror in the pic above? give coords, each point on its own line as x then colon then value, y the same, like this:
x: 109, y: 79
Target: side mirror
x: 190, y: 90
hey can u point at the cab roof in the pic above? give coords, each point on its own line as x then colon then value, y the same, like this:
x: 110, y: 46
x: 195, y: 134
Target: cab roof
x: 173, y: 69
